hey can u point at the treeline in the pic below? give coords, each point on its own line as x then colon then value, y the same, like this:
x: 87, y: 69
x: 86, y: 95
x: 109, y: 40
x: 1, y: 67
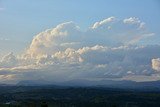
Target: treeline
x: 76, y: 97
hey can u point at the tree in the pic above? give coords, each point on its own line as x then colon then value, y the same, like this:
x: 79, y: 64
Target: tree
x: 44, y: 104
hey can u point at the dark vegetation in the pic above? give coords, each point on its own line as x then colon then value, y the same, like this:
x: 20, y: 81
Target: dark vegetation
x: 52, y: 96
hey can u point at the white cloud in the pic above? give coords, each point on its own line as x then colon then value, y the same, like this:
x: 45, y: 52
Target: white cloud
x: 66, y: 52
x: 156, y: 64
x: 8, y: 60
x: 50, y: 41
x: 88, y: 62
x: 113, y: 31
x: 4, y: 39
x: 110, y: 32
x: 103, y: 22
x: 132, y: 20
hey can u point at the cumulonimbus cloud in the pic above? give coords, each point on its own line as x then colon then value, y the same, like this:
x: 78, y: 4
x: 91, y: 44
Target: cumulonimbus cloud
x: 108, y: 49
x: 110, y: 32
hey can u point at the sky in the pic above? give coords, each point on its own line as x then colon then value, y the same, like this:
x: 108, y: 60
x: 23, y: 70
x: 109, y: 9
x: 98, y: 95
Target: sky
x: 119, y: 39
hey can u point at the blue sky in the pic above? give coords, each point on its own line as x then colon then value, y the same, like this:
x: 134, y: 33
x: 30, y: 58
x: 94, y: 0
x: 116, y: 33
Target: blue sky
x: 107, y: 39
x: 22, y: 19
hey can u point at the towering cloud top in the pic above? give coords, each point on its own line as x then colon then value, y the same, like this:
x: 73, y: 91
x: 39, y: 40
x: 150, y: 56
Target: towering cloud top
x: 49, y: 41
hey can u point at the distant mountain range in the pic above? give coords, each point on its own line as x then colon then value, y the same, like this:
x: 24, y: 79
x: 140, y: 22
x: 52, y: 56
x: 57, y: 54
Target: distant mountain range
x: 151, y: 85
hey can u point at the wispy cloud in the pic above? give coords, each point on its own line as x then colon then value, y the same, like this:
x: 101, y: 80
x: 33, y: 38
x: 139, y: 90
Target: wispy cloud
x: 4, y: 39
